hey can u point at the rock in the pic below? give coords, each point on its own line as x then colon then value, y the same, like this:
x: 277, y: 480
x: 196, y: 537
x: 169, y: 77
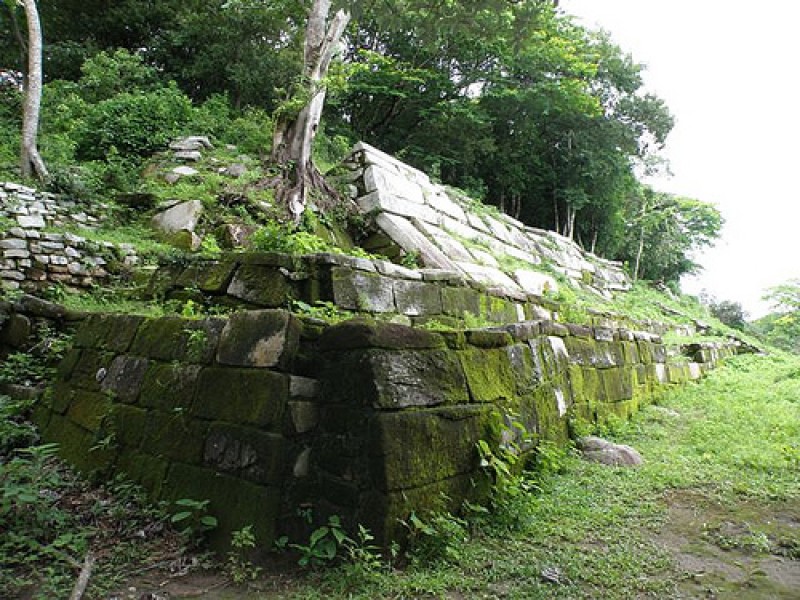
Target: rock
x: 236, y: 170
x: 183, y: 216
x: 602, y: 451
x: 144, y: 200
x: 185, y: 240
x: 191, y: 143
x: 235, y: 235
x: 188, y: 155
x: 184, y: 171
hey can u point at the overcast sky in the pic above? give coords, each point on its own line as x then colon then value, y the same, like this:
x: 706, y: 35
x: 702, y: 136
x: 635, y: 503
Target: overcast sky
x: 728, y: 71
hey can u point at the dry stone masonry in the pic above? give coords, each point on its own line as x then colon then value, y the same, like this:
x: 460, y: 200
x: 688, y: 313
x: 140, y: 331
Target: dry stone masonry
x: 415, y: 215
x: 33, y: 257
x: 264, y: 412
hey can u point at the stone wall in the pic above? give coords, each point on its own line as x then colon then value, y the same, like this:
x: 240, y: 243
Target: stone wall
x: 451, y: 232
x: 265, y: 412
x: 34, y: 258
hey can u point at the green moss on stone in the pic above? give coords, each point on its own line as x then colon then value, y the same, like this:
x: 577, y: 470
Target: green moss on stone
x: 88, y: 409
x: 128, y: 425
x: 263, y: 338
x: 211, y: 276
x: 459, y: 300
x: 175, y: 436
x: 169, y: 387
x: 363, y: 333
x: 148, y: 471
x: 416, y: 298
x: 247, y: 396
x: 262, y: 285
x: 245, y: 452
x: 489, y: 375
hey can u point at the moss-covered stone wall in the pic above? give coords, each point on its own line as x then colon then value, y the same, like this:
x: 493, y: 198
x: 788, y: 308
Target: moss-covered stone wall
x: 264, y: 413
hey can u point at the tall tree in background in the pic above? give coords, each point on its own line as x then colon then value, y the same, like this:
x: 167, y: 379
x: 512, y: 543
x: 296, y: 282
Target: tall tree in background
x: 31, y: 162
x: 295, y: 131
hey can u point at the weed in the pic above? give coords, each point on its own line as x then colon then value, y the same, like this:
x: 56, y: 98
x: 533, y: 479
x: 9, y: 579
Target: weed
x: 438, y: 536
x: 192, y: 520
x: 324, y: 544
x: 239, y: 568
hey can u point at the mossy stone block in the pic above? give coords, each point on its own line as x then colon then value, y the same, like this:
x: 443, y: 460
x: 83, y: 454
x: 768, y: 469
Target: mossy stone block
x: 262, y: 285
x: 175, y: 436
x: 89, y: 369
x: 520, y: 359
x: 78, y: 446
x: 260, y: 338
x: 485, y: 338
x: 88, y: 409
x: 362, y: 333
x: 401, y: 379
x: 163, y: 280
x: 124, y: 378
x: 617, y: 384
x: 593, y: 388
x: 110, y: 332
x: 498, y: 310
x: 148, y: 471
x: 678, y: 372
x: 210, y: 276
x: 60, y: 396
x: 128, y: 424
x: 552, y: 424
x: 362, y: 291
x: 169, y: 387
x: 15, y: 331
x: 581, y: 349
x: 490, y: 377
x: 245, y: 396
x: 459, y: 300
x: 645, y: 350
x: 245, y: 452
x: 415, y: 448
x: 234, y: 502
x: 178, y: 339
x: 67, y: 364
x: 415, y: 298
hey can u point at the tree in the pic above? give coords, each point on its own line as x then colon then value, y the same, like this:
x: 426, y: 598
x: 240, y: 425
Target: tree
x: 295, y: 131
x: 730, y: 313
x: 31, y: 162
x: 782, y: 327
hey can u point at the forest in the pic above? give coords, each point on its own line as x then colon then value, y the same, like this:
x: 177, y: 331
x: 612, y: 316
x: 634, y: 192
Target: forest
x: 513, y: 102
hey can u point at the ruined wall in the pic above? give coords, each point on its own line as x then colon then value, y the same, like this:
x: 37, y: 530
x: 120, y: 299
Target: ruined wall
x: 264, y: 412
x: 34, y: 258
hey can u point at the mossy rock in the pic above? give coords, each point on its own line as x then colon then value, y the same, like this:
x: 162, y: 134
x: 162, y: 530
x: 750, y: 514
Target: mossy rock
x: 245, y: 452
x: 209, y: 276
x: 459, y: 300
x: 416, y: 448
x: 169, y: 387
x: 262, y: 285
x: 145, y: 469
x: 246, y: 396
x: 124, y: 378
x: 178, y: 339
x: 363, y: 333
x: 128, y: 424
x: 265, y: 338
x: 416, y: 298
x: 489, y: 375
x: 89, y: 409
x: 175, y: 436
x: 362, y: 291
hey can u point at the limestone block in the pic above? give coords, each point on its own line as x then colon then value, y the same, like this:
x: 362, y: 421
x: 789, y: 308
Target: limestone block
x: 188, y: 155
x: 207, y: 276
x: 458, y: 300
x: 488, y: 276
x: 358, y: 333
x: 12, y: 275
x: 602, y: 451
x: 460, y: 229
x: 414, y: 298
x: 183, y: 216
x: 440, y: 201
x: 13, y: 244
x: 303, y: 387
x: 384, y: 267
x: 174, y: 338
x: 383, y: 200
x: 262, y: 338
x: 391, y: 182
x: 16, y: 254
x: 534, y: 282
x: 262, y: 285
x: 359, y: 290
x: 183, y: 171
x: 484, y: 258
x: 476, y: 222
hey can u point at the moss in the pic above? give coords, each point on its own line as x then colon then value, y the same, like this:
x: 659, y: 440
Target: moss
x: 107, y: 332
x: 212, y: 277
x: 247, y: 396
x: 174, y: 436
x: 401, y: 445
x: 88, y: 409
x: 363, y: 333
x: 489, y: 375
x: 458, y: 300
x: 483, y: 338
x: 417, y: 298
x: 263, y: 338
x: 498, y: 310
x: 362, y: 291
x: 262, y: 285
x: 148, y: 471
x: 178, y: 339
x: 235, y: 503
x: 128, y: 424
x: 169, y: 387
x: 617, y: 383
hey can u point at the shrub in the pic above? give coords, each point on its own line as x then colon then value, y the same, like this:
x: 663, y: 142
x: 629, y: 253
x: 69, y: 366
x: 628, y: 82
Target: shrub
x: 135, y: 124
x: 108, y: 74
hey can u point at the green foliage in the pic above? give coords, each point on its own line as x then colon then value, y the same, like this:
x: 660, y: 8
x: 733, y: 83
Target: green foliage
x: 239, y: 568
x: 324, y: 310
x: 35, y: 365
x: 107, y: 74
x: 435, y: 537
x: 192, y: 520
x: 15, y: 430
x: 324, y: 544
x: 782, y: 327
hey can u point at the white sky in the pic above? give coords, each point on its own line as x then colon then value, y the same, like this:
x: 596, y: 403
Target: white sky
x: 728, y: 70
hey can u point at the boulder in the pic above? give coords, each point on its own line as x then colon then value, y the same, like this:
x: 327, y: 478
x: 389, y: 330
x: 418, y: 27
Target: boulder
x: 183, y: 216
x: 602, y: 451
x: 191, y: 143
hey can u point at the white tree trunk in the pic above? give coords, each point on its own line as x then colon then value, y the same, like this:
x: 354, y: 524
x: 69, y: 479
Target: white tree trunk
x: 30, y: 161
x: 293, y: 138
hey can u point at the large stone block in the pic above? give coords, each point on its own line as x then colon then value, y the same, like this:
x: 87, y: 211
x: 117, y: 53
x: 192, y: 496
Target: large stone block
x: 148, y: 471
x: 264, y: 338
x: 489, y: 375
x: 108, y: 331
x: 245, y: 452
x: 128, y: 425
x: 262, y: 285
x: 403, y: 445
x: 174, y: 338
x: 89, y: 409
x: 459, y: 300
x: 362, y: 291
x: 245, y: 396
x: 414, y: 298
x: 209, y: 276
x: 361, y: 333
x: 174, y: 436
x: 169, y: 387
x: 236, y: 503
x: 124, y: 377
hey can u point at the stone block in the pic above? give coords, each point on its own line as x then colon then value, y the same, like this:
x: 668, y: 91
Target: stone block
x: 108, y: 332
x: 148, y: 471
x: 403, y: 443
x: 263, y: 338
x: 175, y: 338
x: 360, y: 333
x: 124, y: 378
x: 16, y: 331
x: 245, y: 452
x: 459, y: 300
x: 129, y: 425
x: 209, y: 276
x: 89, y: 409
x: 410, y: 239
x: 169, y: 387
x: 489, y: 375
x: 414, y: 298
x: 534, y: 282
x: 183, y: 216
x: 247, y: 396
x: 261, y: 285
x: 357, y: 290
x: 236, y: 503
x: 31, y: 222
x: 174, y: 436
x: 305, y: 416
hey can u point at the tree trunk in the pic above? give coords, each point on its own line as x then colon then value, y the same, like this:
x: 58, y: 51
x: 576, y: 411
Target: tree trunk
x: 30, y: 161
x: 639, y: 251
x: 294, y: 136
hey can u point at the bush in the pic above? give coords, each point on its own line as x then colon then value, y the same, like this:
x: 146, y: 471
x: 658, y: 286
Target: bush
x: 137, y: 125
x: 108, y: 74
